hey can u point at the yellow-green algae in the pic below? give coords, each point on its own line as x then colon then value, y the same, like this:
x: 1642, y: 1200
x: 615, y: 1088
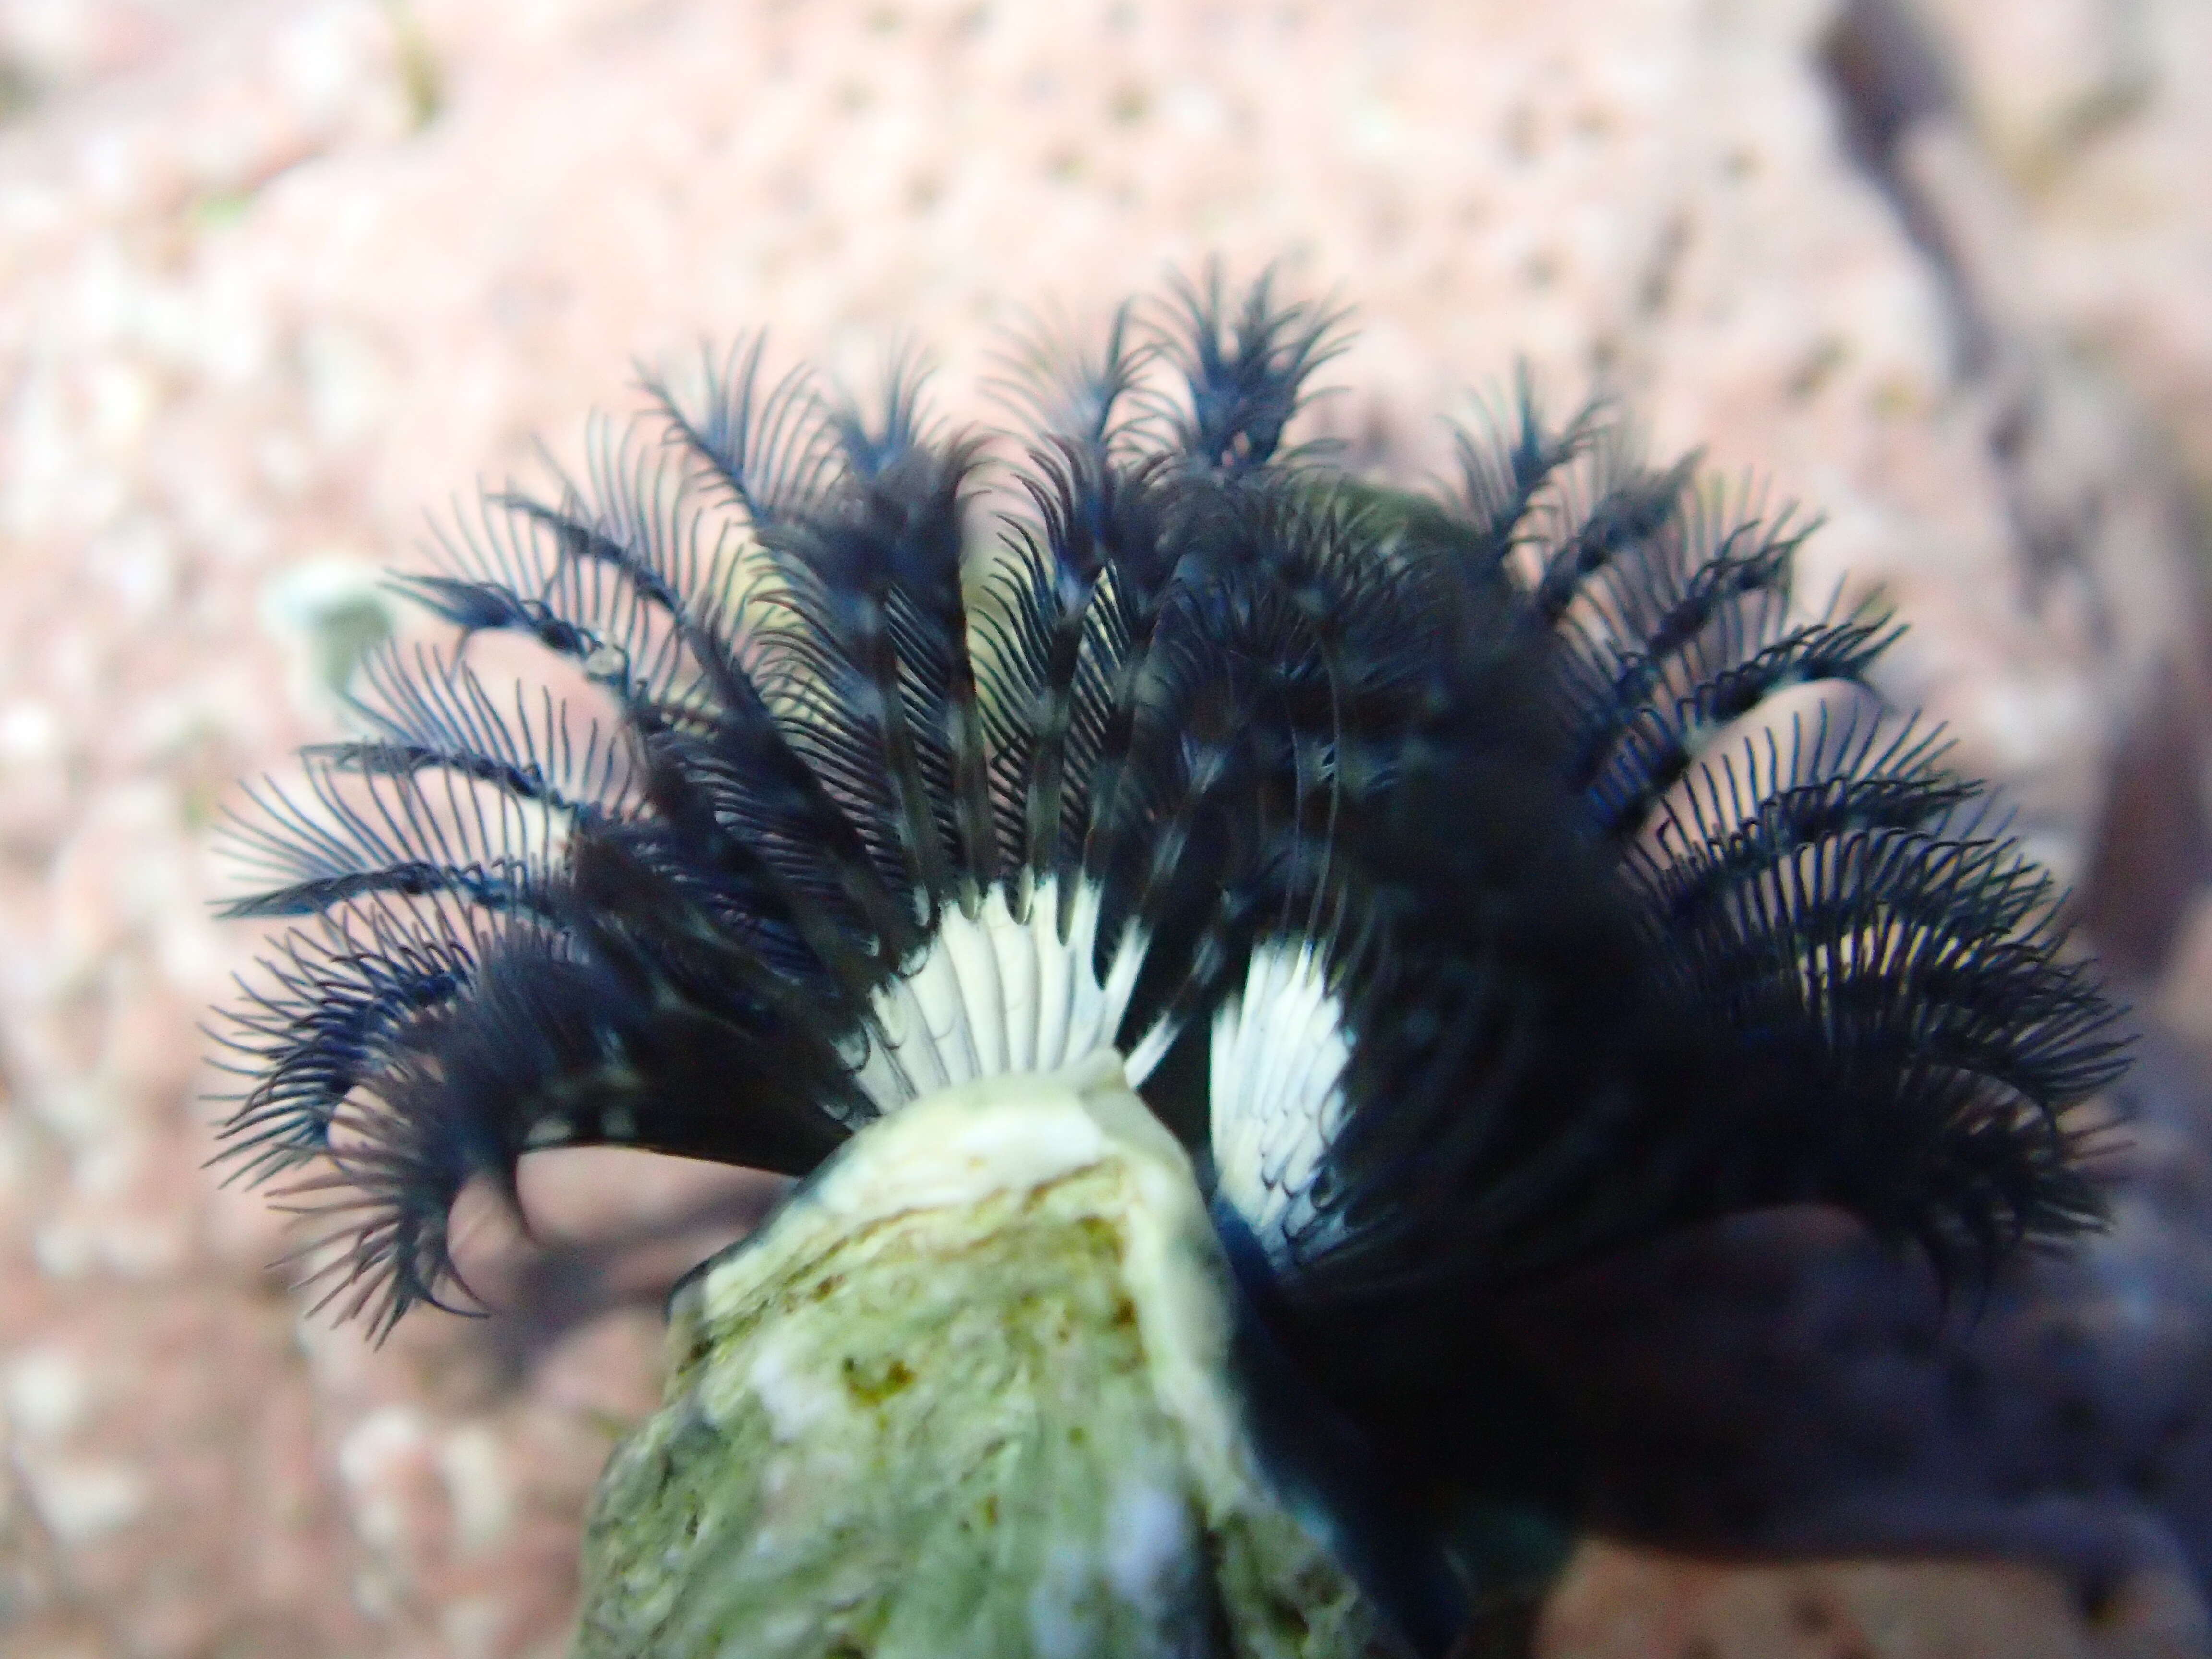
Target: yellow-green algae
x: 967, y: 1395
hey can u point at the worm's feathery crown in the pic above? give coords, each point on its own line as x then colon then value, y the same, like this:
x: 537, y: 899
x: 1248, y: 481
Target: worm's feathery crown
x: 1464, y: 839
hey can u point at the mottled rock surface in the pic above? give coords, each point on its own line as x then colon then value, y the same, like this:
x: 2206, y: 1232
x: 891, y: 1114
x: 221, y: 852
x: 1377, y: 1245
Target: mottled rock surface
x: 273, y: 277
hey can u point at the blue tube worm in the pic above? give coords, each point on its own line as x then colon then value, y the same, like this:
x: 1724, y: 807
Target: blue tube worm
x: 1201, y: 933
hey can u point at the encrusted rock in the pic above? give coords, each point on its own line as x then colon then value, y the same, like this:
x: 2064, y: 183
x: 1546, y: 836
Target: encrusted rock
x: 969, y: 1391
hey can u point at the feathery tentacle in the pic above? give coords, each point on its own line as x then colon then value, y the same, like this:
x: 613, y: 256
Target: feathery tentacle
x: 1510, y: 870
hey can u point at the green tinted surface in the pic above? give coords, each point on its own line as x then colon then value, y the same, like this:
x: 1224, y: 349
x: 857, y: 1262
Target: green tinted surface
x: 943, y: 1434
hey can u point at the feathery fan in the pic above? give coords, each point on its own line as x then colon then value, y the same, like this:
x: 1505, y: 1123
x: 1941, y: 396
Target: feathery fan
x: 1476, y: 884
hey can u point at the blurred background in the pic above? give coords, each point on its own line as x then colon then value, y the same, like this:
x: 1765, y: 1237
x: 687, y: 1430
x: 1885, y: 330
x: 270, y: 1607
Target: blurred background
x: 279, y: 282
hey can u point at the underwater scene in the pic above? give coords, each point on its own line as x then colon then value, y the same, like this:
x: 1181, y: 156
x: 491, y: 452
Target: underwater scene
x: 912, y: 829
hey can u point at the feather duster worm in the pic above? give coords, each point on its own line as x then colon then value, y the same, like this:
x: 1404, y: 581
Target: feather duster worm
x: 1469, y: 887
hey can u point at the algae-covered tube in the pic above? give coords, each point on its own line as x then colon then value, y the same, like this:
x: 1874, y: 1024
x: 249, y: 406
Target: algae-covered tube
x: 971, y: 1392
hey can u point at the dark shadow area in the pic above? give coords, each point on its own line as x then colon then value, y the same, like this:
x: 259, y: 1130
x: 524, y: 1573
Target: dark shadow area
x: 617, y: 1239
x: 2154, y: 847
x: 1889, y: 77
x: 1782, y: 1385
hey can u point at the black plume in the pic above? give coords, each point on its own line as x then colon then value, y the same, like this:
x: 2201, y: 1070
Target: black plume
x: 1613, y: 952
x: 1521, y: 871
